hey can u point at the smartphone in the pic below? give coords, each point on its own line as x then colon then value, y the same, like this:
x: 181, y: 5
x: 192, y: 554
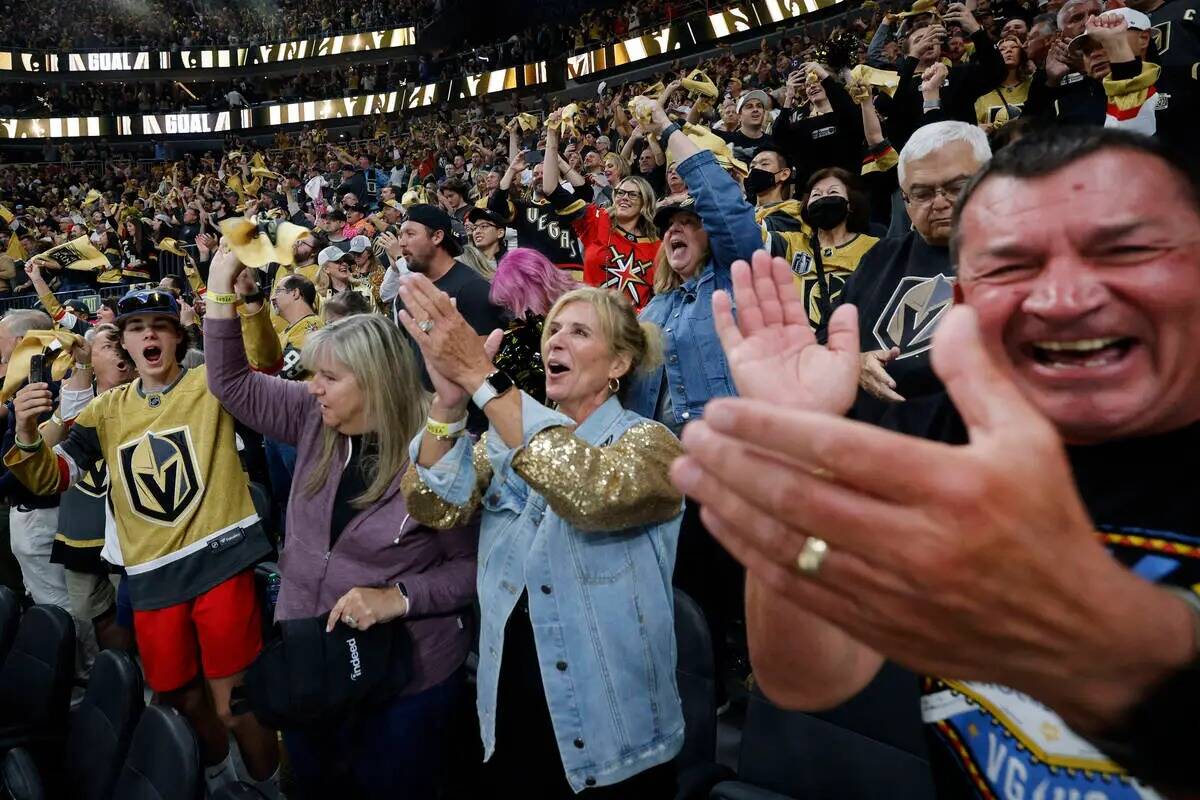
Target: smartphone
x: 795, y: 65
x: 535, y: 157
x: 37, y: 369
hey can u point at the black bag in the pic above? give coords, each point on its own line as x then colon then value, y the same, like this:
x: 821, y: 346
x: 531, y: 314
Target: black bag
x: 305, y: 676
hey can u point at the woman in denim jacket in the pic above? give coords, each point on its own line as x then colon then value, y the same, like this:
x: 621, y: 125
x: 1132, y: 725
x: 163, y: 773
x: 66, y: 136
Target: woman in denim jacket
x: 576, y: 680
x: 702, y: 236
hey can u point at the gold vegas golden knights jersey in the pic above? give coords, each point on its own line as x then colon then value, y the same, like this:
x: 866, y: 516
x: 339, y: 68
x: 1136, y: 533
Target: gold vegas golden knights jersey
x: 179, y: 498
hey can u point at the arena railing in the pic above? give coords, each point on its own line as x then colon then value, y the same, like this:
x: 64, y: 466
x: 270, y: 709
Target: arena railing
x: 92, y: 297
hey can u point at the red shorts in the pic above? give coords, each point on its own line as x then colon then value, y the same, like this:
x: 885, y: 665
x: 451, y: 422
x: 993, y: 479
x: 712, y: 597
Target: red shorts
x: 220, y: 629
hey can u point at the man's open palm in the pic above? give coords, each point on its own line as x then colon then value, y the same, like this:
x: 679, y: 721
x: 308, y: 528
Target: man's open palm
x: 771, y: 348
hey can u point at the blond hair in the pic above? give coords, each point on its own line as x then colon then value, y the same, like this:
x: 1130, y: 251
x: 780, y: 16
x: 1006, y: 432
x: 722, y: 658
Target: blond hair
x: 619, y: 326
x: 649, y: 201
x: 619, y: 160
x: 394, y: 402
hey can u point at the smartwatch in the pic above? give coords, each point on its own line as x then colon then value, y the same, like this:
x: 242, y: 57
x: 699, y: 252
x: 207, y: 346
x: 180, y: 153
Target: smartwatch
x: 492, y: 387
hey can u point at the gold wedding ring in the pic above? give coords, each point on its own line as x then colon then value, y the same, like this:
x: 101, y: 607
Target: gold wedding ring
x: 812, y: 556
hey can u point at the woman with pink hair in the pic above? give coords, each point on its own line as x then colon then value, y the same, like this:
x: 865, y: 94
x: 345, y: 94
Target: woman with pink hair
x: 526, y: 285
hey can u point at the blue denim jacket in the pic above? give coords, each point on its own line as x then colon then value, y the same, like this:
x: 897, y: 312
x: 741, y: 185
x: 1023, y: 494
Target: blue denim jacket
x: 601, y: 605
x: 693, y: 361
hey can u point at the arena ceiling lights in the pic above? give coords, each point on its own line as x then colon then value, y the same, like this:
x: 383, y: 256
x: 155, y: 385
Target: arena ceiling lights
x: 147, y: 63
x: 686, y: 33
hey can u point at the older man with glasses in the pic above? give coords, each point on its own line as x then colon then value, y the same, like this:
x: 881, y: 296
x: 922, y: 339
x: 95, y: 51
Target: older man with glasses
x: 905, y: 284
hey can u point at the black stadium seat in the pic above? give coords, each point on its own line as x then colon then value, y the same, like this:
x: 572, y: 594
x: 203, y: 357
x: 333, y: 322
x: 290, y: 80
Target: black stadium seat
x: 36, y: 679
x: 20, y: 776
x: 103, y: 725
x: 10, y: 615
x: 164, y: 760
x: 869, y: 747
x: 696, y: 676
x: 101, y: 731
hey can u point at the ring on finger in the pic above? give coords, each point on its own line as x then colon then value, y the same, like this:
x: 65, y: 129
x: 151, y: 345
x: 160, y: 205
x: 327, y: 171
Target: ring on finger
x: 426, y: 325
x: 349, y: 620
x: 812, y: 555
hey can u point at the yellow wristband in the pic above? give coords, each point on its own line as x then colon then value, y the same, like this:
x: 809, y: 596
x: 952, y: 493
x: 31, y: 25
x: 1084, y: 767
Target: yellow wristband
x: 446, y: 430
x: 221, y: 299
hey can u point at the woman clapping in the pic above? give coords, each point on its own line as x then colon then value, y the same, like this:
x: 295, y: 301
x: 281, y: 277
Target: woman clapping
x: 576, y: 681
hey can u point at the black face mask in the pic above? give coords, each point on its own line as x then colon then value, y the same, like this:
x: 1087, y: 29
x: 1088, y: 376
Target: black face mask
x: 759, y: 180
x: 826, y: 213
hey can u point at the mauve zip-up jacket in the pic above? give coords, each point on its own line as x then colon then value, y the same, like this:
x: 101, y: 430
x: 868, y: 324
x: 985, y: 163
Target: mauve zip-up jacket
x: 380, y: 546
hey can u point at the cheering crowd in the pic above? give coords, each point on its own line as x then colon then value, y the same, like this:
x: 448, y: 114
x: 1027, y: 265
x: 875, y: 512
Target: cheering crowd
x: 875, y: 341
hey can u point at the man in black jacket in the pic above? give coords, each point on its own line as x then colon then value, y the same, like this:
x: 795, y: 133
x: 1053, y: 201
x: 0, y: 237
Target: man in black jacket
x: 964, y: 84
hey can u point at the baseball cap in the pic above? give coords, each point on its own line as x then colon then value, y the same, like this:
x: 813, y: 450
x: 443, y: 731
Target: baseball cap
x: 477, y: 213
x: 359, y: 243
x: 393, y: 204
x: 77, y: 307
x: 667, y: 212
x: 147, y: 301
x: 1136, y: 20
x: 305, y: 676
x: 754, y: 94
x: 330, y: 253
x: 435, y: 219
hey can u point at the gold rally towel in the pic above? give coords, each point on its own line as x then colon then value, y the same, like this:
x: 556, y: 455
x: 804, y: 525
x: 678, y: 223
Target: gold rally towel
x: 77, y: 254
x: 54, y: 345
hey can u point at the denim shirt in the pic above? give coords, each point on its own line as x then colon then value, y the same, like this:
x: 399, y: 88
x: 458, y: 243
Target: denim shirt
x: 601, y: 605
x: 693, y: 362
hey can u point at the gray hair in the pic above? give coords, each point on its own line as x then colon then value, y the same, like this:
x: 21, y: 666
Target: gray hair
x: 23, y: 320
x: 1070, y: 4
x: 930, y: 138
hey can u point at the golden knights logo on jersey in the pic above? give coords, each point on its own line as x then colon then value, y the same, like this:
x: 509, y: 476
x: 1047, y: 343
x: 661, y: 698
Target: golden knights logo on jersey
x: 94, y: 480
x: 912, y: 315
x: 162, y: 481
x: 804, y: 268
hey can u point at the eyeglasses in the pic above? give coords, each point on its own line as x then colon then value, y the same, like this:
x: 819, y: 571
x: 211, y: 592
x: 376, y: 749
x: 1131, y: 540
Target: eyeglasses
x: 630, y: 194
x: 481, y: 226
x: 924, y: 195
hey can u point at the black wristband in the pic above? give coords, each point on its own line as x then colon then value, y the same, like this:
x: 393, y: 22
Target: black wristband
x: 665, y: 136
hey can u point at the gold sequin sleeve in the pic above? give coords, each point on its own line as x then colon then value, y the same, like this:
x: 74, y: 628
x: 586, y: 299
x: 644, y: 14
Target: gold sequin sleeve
x: 604, y: 488
x: 430, y: 509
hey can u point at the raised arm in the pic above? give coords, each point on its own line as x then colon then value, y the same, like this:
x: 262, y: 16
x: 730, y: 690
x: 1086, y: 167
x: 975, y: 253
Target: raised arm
x: 272, y: 406
x: 728, y: 218
x: 550, y: 172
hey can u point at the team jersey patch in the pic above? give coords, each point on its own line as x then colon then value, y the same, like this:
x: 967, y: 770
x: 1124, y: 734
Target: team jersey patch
x: 160, y: 475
